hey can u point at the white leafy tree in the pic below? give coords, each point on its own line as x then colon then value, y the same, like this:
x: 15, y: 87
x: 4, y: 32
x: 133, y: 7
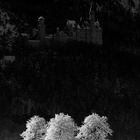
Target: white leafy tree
x: 94, y: 128
x: 62, y: 127
x: 36, y: 129
x: 8, y: 31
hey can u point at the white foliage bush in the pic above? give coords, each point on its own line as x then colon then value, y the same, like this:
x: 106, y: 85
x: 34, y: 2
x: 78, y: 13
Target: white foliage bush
x: 94, y: 128
x: 36, y: 129
x: 62, y: 127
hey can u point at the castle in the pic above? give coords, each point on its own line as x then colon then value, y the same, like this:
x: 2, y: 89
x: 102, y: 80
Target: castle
x: 90, y: 33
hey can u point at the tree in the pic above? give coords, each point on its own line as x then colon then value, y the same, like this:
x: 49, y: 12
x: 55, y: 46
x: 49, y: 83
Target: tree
x: 94, y: 128
x: 8, y: 31
x: 62, y: 127
x: 36, y: 129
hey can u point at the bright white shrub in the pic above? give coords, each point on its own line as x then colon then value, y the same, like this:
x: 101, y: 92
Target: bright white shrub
x: 94, y: 128
x: 62, y: 127
x: 36, y: 128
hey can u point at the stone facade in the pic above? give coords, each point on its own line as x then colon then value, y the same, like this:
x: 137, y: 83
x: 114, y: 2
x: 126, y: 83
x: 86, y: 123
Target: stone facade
x: 92, y: 33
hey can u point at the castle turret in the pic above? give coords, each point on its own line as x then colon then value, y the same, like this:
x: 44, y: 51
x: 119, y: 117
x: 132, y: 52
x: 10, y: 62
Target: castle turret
x: 42, y: 29
x: 95, y: 30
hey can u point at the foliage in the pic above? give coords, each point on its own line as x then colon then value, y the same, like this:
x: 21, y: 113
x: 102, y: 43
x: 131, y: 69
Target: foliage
x: 8, y: 31
x: 94, y: 128
x: 36, y: 128
x: 62, y: 127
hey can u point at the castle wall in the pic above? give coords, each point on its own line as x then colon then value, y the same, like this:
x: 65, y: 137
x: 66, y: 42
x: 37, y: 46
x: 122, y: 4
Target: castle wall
x: 92, y: 34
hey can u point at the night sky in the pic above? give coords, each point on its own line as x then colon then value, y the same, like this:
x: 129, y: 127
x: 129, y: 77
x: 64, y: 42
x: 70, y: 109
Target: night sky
x: 54, y: 11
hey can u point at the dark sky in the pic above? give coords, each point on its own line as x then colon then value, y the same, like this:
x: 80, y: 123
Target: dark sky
x: 32, y: 9
x: 54, y: 11
x: 48, y: 6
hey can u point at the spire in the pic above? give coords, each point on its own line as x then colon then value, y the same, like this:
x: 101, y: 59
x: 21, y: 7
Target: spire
x: 91, y: 13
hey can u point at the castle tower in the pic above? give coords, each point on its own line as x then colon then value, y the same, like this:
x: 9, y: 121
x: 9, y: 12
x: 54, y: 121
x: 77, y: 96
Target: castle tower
x: 92, y: 27
x: 42, y: 29
x: 95, y: 30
